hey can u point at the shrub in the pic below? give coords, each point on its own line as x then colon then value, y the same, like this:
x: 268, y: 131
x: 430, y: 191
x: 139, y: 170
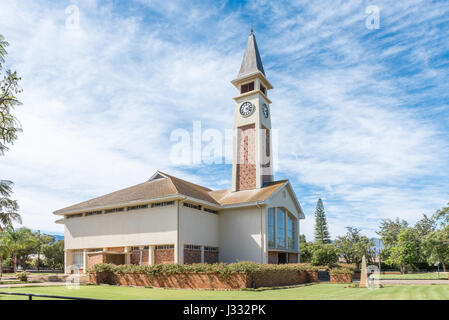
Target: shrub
x: 324, y: 254
x: 337, y: 271
x: 22, y: 276
x: 222, y: 269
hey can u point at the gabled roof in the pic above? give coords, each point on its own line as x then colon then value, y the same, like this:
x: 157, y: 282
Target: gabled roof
x: 162, y: 185
x: 251, y: 62
x: 228, y: 197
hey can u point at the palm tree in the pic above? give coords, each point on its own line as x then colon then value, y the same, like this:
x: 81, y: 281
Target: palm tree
x: 4, y: 251
x: 8, y: 207
x: 16, y: 240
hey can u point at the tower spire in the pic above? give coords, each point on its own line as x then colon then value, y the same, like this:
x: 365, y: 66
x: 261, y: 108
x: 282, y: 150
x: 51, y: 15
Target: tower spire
x: 251, y: 63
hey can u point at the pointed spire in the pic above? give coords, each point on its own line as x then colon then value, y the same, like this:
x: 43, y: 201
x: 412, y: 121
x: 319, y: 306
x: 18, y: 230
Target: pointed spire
x: 251, y: 62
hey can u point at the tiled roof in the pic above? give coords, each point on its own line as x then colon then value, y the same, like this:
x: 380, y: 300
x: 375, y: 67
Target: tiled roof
x: 228, y: 197
x: 164, y: 185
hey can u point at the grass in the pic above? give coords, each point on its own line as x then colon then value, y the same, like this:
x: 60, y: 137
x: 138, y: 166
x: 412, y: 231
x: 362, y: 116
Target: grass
x: 307, y: 292
x: 415, y: 276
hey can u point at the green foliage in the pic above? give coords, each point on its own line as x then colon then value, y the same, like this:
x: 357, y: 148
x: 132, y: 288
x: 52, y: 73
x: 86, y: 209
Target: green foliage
x: 9, y: 128
x: 324, y: 254
x: 353, y: 246
x: 321, y: 230
x: 337, y: 271
x: 22, y: 276
x: 436, y: 247
x: 390, y: 230
x: 21, y: 242
x: 407, y: 251
x: 54, y: 254
x: 217, y: 268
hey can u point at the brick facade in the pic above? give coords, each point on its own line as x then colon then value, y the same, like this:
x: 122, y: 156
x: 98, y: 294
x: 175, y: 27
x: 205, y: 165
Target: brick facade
x: 266, y: 157
x: 292, y: 258
x: 246, y: 158
x: 164, y: 256
x: 135, y: 257
x: 95, y: 258
x: 192, y: 256
x: 211, y: 256
x: 272, y: 257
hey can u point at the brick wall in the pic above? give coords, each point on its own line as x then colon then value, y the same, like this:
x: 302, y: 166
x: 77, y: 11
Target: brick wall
x: 292, y: 258
x: 93, y: 259
x: 135, y: 257
x: 266, y: 159
x: 116, y: 249
x: 164, y: 256
x: 210, y: 257
x: 246, y: 158
x: 192, y: 256
x: 273, y: 257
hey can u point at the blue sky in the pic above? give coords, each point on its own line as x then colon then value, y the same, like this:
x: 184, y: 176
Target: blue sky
x: 362, y: 113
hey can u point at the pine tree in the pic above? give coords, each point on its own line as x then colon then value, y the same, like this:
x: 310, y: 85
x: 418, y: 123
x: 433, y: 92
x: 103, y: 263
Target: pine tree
x: 321, y: 232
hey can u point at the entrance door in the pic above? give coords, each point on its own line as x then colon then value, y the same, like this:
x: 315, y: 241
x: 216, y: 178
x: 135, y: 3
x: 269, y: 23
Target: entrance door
x: 282, y: 258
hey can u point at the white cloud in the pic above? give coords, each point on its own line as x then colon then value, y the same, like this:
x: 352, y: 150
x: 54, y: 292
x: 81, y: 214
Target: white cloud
x: 361, y: 113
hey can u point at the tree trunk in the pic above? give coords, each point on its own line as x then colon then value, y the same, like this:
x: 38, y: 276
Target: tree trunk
x: 15, y: 262
x: 444, y: 266
x: 1, y: 268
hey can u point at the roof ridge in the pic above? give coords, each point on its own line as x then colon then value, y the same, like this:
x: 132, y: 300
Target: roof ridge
x: 185, y: 181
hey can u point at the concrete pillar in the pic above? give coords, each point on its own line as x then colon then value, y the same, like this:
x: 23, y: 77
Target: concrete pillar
x: 84, y: 260
x: 202, y: 254
x: 127, y: 255
x: 66, y: 262
x: 150, y: 255
x: 179, y: 253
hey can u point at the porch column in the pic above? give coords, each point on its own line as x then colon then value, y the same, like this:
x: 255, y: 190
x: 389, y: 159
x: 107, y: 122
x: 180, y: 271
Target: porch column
x: 127, y: 256
x: 84, y: 260
x: 66, y: 261
x: 202, y: 254
x: 150, y: 255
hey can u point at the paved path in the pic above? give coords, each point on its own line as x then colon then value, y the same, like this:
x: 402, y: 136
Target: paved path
x: 414, y: 282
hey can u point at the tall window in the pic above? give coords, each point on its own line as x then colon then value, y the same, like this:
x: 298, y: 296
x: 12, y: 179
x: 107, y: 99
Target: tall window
x: 271, y: 243
x: 280, y: 228
x: 78, y: 258
x: 290, y: 233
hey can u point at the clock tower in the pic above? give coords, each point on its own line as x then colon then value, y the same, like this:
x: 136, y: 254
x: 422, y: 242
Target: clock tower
x: 252, y: 165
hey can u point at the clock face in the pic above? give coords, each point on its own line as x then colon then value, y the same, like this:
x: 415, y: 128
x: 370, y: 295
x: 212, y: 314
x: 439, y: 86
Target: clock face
x: 265, y: 110
x: 247, y: 109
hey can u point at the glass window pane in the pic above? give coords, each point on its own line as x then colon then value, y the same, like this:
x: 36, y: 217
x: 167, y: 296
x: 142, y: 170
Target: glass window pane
x: 280, y: 230
x: 271, y: 228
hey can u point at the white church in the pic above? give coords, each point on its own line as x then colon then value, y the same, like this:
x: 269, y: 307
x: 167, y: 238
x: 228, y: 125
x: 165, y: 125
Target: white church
x: 169, y: 220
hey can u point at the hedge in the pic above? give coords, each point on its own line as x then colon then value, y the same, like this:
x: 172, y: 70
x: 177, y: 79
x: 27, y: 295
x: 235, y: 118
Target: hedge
x: 218, y: 268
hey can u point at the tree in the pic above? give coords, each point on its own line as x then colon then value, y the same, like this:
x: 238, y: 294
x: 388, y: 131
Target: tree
x: 353, y: 246
x: 390, y: 230
x: 54, y: 254
x: 321, y: 230
x: 406, y: 253
x: 19, y: 240
x: 436, y: 247
x: 9, y: 128
x: 8, y: 207
x: 324, y: 254
x: 443, y: 213
x: 4, y: 251
x: 425, y: 226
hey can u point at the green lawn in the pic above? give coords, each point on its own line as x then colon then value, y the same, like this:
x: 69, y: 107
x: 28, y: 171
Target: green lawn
x: 416, y: 276
x: 313, y: 292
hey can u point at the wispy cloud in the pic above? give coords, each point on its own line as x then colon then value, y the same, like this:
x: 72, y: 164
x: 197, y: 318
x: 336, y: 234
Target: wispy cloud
x: 362, y: 113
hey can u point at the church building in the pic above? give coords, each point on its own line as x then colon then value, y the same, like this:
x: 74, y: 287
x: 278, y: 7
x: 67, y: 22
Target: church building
x: 169, y: 220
